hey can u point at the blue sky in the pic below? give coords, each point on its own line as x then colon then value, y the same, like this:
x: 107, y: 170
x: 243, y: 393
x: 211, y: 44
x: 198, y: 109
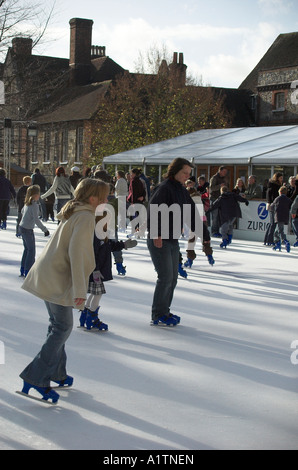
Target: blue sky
x: 222, y: 40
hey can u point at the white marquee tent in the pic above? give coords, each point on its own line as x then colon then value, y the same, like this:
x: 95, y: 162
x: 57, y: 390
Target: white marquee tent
x: 233, y: 146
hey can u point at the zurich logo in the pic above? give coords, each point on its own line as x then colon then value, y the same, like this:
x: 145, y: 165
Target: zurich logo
x: 262, y: 211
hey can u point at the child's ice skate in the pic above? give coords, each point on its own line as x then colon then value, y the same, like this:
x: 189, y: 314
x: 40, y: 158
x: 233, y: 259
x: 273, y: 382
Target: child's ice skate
x: 83, y: 317
x: 93, y: 322
x: 188, y: 263
x: 224, y: 243
x: 121, y: 269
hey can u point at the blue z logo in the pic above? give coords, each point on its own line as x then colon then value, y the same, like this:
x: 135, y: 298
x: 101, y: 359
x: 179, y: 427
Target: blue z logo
x: 262, y: 211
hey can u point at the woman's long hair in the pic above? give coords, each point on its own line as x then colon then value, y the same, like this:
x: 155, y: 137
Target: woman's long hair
x: 86, y: 188
x: 176, y: 165
x: 30, y: 193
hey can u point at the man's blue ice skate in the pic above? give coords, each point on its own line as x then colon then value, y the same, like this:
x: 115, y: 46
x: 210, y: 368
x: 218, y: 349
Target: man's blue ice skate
x: 165, y: 320
x: 288, y: 245
x: 182, y: 271
x: 121, y: 269
x: 46, y: 392
x: 277, y: 246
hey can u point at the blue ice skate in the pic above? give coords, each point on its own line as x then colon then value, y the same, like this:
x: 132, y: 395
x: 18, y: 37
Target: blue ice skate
x: 296, y: 244
x: 288, y: 245
x: 277, y: 246
x: 188, y: 263
x: 165, y: 320
x: 93, y: 322
x: 224, y: 243
x: 121, y: 269
x: 83, y: 317
x: 66, y: 383
x: 46, y: 392
x: 182, y: 271
x: 210, y: 260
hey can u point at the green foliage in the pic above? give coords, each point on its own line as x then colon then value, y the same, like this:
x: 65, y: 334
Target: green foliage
x: 143, y: 109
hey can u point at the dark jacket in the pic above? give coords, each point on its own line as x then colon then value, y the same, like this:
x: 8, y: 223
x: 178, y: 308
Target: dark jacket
x: 21, y: 194
x: 103, y: 259
x: 228, y: 206
x: 215, y: 184
x: 39, y: 179
x: 6, y: 189
x: 136, y: 191
x: 281, y: 206
x: 272, y: 191
x: 171, y: 192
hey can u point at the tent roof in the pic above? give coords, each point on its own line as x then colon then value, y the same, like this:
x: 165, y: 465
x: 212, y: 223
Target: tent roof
x: 248, y: 145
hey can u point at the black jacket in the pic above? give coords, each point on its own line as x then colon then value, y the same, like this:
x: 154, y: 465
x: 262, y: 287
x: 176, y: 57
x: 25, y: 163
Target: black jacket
x: 103, y: 256
x: 171, y: 192
x: 228, y: 206
x: 281, y: 206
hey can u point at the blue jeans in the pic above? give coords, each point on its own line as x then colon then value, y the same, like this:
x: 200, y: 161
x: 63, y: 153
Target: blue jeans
x: 166, y: 264
x: 50, y: 362
x: 28, y: 257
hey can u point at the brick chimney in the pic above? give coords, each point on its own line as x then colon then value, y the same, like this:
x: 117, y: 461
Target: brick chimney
x: 178, y: 69
x: 80, y: 51
x: 22, y: 47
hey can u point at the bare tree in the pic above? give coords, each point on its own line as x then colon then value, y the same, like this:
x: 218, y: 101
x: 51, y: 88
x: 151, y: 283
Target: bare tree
x: 23, y: 18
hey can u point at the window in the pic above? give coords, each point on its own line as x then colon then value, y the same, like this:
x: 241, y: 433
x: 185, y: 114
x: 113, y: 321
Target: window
x: 279, y: 101
x: 47, y: 146
x: 64, y: 155
x: 79, y: 144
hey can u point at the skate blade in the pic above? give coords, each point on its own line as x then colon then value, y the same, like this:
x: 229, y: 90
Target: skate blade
x: 46, y: 402
x: 163, y: 325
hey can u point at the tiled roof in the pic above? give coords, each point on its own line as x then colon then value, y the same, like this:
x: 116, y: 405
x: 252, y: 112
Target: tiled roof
x: 282, y: 53
x: 82, y: 104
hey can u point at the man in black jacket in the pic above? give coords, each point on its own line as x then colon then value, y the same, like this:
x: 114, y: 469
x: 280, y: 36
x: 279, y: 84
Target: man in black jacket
x: 169, y: 208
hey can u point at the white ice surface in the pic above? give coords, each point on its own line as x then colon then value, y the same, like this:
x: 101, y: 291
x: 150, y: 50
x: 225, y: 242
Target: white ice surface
x: 223, y: 379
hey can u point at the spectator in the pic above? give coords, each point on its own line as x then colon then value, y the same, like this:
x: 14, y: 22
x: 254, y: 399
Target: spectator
x: 239, y: 187
x: 254, y: 190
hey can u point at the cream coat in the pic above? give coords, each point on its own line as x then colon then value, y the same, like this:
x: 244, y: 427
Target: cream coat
x: 61, y: 272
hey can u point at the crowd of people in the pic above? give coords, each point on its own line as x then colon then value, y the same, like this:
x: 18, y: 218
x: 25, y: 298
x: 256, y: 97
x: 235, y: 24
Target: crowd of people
x: 67, y: 277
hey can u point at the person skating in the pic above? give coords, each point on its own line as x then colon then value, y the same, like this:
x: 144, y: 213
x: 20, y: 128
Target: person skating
x: 60, y: 278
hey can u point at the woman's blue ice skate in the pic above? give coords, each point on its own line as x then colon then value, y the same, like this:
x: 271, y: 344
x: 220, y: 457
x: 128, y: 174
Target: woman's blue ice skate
x: 66, y: 383
x: 46, y: 392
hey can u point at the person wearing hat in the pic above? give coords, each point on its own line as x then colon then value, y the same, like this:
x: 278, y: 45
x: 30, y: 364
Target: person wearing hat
x: 75, y: 176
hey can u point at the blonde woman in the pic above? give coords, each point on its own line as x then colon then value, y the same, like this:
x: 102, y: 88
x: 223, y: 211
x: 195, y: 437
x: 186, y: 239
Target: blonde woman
x: 30, y: 218
x: 60, y: 277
